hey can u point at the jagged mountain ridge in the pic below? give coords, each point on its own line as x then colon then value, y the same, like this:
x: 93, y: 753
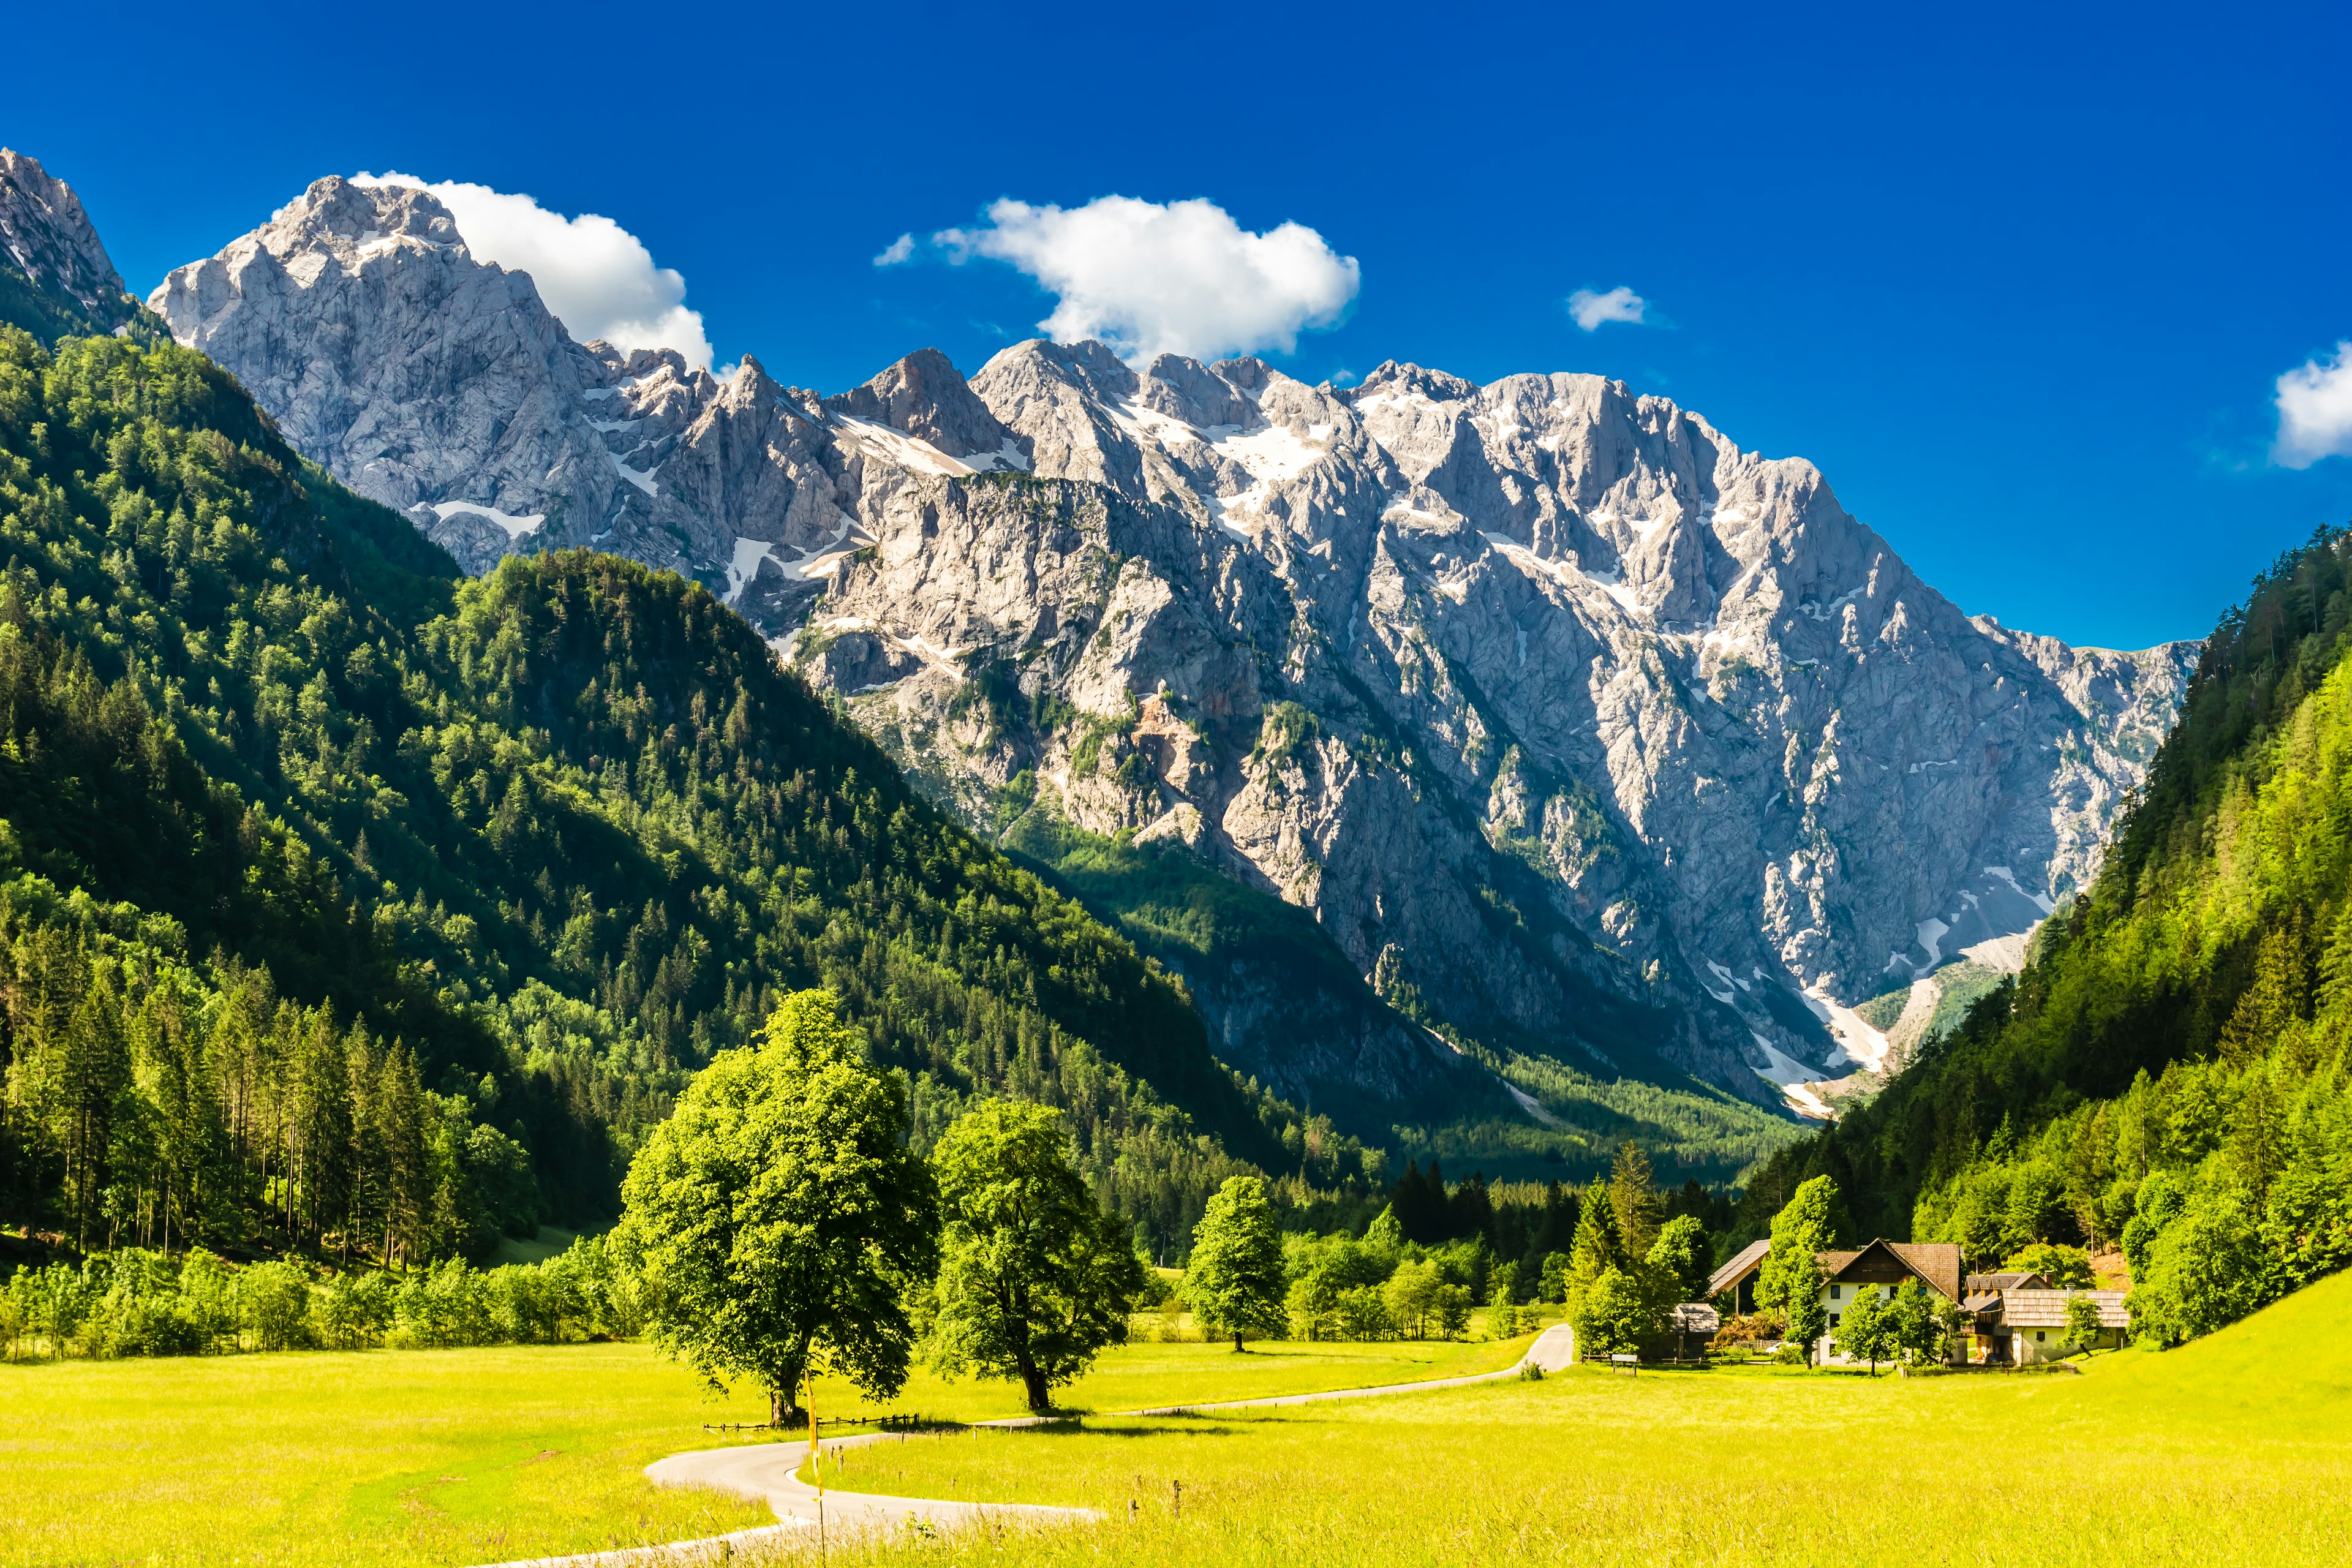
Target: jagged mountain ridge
x: 443, y: 387
x: 53, y: 269
x: 1574, y: 725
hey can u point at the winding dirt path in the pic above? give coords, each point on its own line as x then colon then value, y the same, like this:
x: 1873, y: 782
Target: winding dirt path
x: 768, y: 1472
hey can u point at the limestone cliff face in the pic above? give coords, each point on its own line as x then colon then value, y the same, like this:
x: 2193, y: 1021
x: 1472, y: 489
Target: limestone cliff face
x: 53, y: 269
x: 1570, y: 721
x: 1550, y: 701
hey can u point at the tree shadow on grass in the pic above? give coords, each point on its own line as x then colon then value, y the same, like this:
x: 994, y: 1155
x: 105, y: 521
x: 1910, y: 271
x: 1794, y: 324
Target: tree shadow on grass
x: 1188, y: 1425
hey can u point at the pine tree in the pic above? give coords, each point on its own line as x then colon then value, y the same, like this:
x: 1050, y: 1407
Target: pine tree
x: 1633, y: 1195
x: 94, y: 1069
x: 408, y: 1176
x: 1597, y: 1248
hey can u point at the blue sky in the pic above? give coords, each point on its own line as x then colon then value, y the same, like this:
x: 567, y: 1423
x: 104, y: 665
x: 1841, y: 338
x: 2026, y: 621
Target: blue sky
x: 2021, y: 282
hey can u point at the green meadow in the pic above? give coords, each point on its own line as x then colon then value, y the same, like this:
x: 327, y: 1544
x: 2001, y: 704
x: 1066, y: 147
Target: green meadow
x: 468, y: 1455
x: 2236, y: 1449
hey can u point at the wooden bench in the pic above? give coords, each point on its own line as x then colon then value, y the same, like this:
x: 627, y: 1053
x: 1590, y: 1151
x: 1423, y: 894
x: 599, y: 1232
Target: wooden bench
x: 1622, y: 1363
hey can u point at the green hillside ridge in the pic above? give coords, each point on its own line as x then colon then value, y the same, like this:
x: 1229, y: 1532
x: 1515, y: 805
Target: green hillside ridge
x: 2169, y: 1074
x: 347, y: 899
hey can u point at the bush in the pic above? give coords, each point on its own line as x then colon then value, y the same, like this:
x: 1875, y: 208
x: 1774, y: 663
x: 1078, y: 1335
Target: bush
x: 447, y: 1306
x: 1789, y: 1355
x: 1363, y: 1314
x: 274, y: 1303
x: 144, y: 1303
x: 355, y: 1311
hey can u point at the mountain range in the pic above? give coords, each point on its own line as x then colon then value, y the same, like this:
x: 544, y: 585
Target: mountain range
x: 1562, y: 746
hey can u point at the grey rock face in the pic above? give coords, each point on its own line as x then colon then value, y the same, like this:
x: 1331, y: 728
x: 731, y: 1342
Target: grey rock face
x: 1550, y: 701
x: 48, y: 238
x: 1568, y: 720
x: 441, y: 386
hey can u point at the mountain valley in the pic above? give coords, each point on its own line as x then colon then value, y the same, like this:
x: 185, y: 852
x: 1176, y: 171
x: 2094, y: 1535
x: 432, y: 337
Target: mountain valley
x: 1603, y: 748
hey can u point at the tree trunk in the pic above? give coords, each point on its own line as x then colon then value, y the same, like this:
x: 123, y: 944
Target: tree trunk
x: 783, y: 1407
x: 1237, y: 1344
x: 1041, y: 1398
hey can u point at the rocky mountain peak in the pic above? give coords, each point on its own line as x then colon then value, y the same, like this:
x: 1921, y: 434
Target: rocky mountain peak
x: 924, y: 395
x: 351, y: 222
x: 1188, y: 390
x: 1399, y: 378
x: 47, y: 236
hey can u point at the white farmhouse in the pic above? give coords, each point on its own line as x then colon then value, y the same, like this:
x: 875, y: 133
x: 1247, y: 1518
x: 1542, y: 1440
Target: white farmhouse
x: 2007, y: 1320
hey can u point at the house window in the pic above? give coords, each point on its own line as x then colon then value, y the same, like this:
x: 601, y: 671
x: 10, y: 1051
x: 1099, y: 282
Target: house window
x: 1836, y: 1291
x: 2039, y: 1336
x: 1833, y: 1318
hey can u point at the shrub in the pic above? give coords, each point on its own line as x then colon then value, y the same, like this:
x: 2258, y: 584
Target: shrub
x: 355, y: 1311
x: 274, y: 1303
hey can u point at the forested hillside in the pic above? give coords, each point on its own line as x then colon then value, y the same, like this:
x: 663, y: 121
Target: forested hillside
x: 351, y: 904
x: 2169, y: 1073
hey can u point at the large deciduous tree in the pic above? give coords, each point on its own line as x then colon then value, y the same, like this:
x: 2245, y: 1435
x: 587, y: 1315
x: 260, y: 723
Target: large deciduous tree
x: 1033, y: 1279
x: 1235, y: 1281
x: 781, y: 1217
x: 1790, y: 1282
x: 1809, y: 1224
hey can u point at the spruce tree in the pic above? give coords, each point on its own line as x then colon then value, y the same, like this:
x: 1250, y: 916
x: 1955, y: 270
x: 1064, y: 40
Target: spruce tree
x: 1633, y: 1195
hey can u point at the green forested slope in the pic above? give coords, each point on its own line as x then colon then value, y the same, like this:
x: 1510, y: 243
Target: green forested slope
x: 2169, y: 1073
x: 342, y: 890
x: 1245, y: 952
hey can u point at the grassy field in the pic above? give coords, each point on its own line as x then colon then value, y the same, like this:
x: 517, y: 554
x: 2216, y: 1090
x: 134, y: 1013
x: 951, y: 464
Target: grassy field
x: 454, y: 1457
x: 2236, y: 1449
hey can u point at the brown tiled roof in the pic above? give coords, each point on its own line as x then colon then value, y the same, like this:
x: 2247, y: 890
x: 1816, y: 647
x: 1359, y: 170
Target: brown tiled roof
x: 2047, y: 1308
x: 2022, y: 1279
x: 1744, y: 1262
x: 1936, y: 1263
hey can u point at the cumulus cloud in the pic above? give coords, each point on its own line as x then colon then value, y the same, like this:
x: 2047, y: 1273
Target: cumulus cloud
x: 897, y: 251
x: 1591, y: 309
x: 2315, y: 411
x: 598, y: 279
x: 1618, y: 304
x: 1178, y: 278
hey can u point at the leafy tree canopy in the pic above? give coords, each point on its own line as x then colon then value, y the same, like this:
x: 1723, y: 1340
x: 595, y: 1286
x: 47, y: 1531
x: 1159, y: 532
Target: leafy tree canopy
x: 782, y: 1215
x: 1235, y: 1282
x: 1033, y: 1279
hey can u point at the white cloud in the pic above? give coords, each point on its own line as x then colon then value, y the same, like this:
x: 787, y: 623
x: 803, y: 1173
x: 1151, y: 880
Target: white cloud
x: 1618, y: 304
x: 1180, y: 277
x: 597, y: 277
x: 897, y: 250
x: 2315, y: 410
